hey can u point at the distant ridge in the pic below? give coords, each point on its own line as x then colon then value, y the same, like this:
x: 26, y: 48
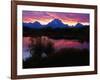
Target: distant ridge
x: 54, y: 24
x: 36, y: 24
x: 79, y: 25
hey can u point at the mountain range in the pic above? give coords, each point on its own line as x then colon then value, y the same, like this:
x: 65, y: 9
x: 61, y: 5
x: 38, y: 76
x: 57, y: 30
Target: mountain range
x: 56, y: 23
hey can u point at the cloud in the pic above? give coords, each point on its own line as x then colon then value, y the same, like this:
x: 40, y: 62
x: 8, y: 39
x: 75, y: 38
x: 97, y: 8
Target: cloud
x: 45, y: 17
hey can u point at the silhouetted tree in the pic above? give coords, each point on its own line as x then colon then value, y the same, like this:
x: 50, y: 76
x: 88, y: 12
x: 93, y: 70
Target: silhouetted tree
x: 39, y: 48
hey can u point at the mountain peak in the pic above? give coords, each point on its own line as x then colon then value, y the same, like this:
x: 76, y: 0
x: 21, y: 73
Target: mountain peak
x: 56, y: 23
x: 79, y: 25
x: 36, y: 24
x: 56, y: 20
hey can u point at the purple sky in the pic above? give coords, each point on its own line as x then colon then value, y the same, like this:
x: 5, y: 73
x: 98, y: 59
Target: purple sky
x: 45, y: 17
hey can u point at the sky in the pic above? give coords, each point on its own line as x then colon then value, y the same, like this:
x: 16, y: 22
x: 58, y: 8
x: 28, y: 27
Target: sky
x: 45, y: 17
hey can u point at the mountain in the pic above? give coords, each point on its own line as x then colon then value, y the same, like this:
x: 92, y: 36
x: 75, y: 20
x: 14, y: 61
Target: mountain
x: 79, y: 25
x: 35, y: 25
x: 56, y: 23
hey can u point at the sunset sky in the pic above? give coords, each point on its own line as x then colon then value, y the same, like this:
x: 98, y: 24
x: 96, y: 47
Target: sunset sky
x: 45, y: 17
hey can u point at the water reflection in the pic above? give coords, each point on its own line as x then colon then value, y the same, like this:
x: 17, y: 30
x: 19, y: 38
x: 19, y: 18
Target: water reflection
x: 57, y: 44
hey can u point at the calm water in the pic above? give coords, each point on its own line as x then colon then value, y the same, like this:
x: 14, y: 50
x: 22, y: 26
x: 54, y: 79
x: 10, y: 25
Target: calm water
x: 57, y: 45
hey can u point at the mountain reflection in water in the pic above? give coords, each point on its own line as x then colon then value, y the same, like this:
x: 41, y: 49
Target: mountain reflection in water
x: 57, y: 45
